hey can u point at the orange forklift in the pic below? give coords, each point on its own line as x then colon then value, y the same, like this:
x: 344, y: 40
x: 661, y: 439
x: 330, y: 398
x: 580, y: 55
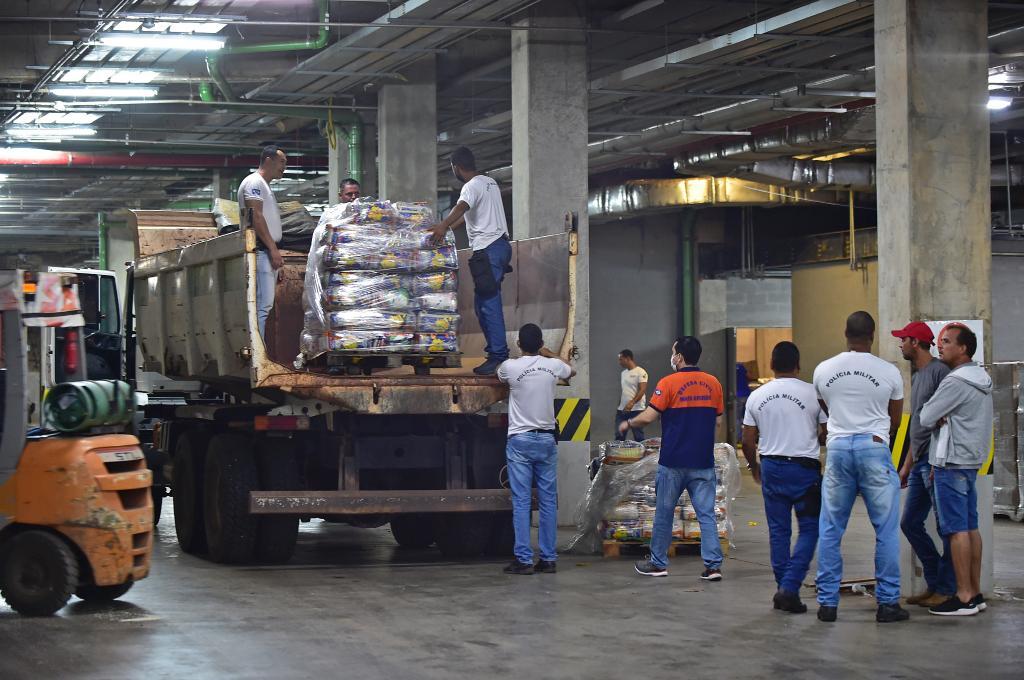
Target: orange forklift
x: 76, y: 514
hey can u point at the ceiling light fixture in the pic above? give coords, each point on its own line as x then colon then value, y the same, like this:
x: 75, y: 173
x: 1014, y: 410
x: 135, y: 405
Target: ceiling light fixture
x: 999, y: 103
x: 102, y: 91
x: 50, y: 132
x: 162, y: 41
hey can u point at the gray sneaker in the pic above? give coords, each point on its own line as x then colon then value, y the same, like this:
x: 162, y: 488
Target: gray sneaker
x: 647, y: 568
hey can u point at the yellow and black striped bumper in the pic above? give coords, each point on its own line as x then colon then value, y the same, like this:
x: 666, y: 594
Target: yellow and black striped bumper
x: 901, y: 448
x: 573, y: 416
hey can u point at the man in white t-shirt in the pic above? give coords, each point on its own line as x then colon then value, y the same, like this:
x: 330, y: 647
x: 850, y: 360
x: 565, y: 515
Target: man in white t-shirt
x: 480, y: 208
x: 787, y: 419
x: 633, y: 399
x: 531, y: 451
x: 258, y: 210
x: 863, y: 396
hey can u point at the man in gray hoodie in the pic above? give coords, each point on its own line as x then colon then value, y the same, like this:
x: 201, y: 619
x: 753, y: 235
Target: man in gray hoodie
x: 961, y: 408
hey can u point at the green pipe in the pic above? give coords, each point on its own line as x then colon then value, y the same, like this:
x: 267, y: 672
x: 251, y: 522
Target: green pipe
x: 205, y: 91
x: 104, y: 229
x: 355, y: 147
x: 686, y: 273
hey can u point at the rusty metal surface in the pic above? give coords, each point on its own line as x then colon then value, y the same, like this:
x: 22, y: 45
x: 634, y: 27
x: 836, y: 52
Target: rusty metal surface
x: 398, y: 396
x: 377, y: 502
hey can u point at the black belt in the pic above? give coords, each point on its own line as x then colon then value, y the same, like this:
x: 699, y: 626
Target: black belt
x: 260, y: 245
x: 803, y: 461
x: 553, y: 433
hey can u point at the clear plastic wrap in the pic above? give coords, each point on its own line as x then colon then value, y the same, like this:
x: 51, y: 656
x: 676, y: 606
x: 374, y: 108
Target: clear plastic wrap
x: 620, y: 502
x: 376, y: 281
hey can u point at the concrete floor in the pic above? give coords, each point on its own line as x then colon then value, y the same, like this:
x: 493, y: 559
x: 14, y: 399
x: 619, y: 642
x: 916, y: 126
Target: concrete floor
x: 353, y: 605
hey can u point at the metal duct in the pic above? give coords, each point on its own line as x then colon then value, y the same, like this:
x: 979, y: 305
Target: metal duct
x: 807, y: 174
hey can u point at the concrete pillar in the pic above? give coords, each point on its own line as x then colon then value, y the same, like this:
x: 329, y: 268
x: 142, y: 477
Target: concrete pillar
x: 337, y: 168
x: 220, y: 183
x: 931, y: 60
x: 549, y: 179
x: 407, y: 137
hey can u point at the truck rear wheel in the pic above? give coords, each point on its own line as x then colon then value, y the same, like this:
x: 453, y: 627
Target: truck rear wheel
x: 230, y: 476
x: 278, y: 471
x: 189, y: 459
x: 502, y: 540
x: 103, y: 593
x: 462, y: 534
x: 38, y: 573
x: 413, y: 531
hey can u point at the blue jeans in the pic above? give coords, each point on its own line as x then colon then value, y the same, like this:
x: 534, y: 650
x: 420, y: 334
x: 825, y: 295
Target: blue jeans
x: 789, y: 486
x: 532, y: 457
x: 620, y: 417
x: 858, y: 465
x: 956, y: 500
x: 938, y: 569
x: 700, y: 484
x: 488, y: 310
x: 266, y: 285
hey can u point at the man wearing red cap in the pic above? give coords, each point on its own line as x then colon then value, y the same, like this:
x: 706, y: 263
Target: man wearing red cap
x: 927, y: 372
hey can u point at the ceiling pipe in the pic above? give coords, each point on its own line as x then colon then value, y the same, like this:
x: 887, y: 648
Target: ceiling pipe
x: 16, y: 156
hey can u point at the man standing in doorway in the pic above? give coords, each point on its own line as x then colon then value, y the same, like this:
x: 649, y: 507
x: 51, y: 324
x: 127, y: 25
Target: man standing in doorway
x: 480, y: 208
x: 962, y: 408
x: 349, y: 191
x: 689, y: 403
x: 258, y: 210
x: 863, y: 396
x: 916, y: 474
x: 633, y: 400
x: 532, y: 448
x: 785, y: 417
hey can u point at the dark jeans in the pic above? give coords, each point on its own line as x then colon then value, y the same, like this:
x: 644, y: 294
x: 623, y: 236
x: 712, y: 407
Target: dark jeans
x: 488, y: 308
x: 789, y: 486
x: 622, y: 416
x: 938, y: 569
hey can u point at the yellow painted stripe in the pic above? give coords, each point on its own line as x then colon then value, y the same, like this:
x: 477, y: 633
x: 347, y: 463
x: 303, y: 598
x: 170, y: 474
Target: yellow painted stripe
x: 565, y: 412
x: 582, y: 433
x: 986, y: 469
x: 901, y: 436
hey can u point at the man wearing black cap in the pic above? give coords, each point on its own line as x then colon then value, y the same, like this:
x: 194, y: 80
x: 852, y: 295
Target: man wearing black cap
x: 915, y: 344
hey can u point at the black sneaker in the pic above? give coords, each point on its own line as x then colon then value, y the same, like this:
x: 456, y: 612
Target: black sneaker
x: 647, y: 568
x: 517, y: 567
x: 544, y: 567
x: 891, y: 613
x: 789, y: 602
x: 711, y: 575
x: 489, y: 367
x: 954, y: 607
x: 979, y: 602
x: 827, y: 614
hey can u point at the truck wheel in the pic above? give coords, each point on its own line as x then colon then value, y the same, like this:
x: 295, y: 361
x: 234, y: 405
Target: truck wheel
x: 158, y: 502
x: 230, y: 476
x: 38, y: 573
x: 462, y: 534
x: 278, y: 471
x: 187, y: 487
x: 103, y: 593
x: 502, y: 540
x: 413, y: 531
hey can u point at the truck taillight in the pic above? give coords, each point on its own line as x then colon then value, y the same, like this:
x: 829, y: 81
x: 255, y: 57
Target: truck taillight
x: 71, y: 351
x: 285, y: 423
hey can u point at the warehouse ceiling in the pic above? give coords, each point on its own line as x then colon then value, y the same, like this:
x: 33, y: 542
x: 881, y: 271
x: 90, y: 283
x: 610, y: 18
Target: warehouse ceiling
x: 667, y: 80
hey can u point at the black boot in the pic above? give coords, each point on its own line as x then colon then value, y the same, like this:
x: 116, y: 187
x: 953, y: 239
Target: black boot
x: 489, y: 367
x: 789, y: 602
x: 827, y: 614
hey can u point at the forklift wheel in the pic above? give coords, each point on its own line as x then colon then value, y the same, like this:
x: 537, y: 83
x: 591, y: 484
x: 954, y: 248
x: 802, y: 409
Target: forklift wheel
x: 103, y: 593
x: 38, y: 573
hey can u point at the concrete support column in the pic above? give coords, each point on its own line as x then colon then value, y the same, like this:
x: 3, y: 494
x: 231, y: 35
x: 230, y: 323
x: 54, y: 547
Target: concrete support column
x: 407, y: 137
x: 337, y: 168
x: 934, y: 243
x: 549, y: 179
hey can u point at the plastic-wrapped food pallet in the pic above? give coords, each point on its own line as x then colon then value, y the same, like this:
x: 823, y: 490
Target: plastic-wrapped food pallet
x: 621, y: 500
x: 376, y: 282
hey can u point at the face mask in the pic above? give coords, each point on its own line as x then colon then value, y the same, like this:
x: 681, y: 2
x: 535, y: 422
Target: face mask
x: 672, y: 363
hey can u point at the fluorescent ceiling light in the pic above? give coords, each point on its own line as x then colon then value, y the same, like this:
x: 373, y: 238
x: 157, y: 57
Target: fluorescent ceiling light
x: 102, y: 91
x: 162, y: 41
x: 999, y: 103
x: 48, y: 132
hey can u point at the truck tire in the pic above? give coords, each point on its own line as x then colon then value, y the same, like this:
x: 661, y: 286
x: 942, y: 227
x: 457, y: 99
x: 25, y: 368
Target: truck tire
x: 502, y: 540
x: 413, y: 531
x: 187, y: 489
x: 278, y: 471
x: 158, y: 502
x: 103, y: 593
x: 230, y: 475
x: 38, y: 573
x: 462, y: 534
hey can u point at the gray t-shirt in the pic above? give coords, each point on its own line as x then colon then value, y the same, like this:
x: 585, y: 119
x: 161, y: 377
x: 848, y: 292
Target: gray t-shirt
x: 923, y: 384
x: 531, y: 383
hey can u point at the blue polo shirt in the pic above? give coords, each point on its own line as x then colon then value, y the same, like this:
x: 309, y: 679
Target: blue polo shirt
x: 689, y: 402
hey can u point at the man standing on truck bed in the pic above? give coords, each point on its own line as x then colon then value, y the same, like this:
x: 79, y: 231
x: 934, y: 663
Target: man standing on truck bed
x: 480, y: 208
x: 255, y: 196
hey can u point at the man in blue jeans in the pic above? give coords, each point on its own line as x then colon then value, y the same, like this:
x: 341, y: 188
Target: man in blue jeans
x: 787, y: 419
x: 689, y: 402
x: 531, y: 451
x: 863, y: 396
x: 480, y: 208
x: 916, y: 474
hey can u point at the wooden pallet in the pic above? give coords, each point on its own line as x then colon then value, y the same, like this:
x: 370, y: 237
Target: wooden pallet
x: 356, y: 363
x: 613, y: 548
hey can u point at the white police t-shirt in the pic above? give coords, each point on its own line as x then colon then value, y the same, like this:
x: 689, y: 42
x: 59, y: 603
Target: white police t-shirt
x: 531, y: 384
x: 254, y: 187
x: 786, y: 414
x: 857, y: 387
